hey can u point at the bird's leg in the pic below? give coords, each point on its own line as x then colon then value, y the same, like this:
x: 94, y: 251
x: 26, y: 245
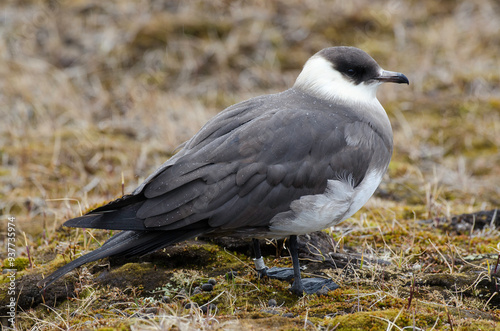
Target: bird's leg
x: 263, y: 270
x: 297, y: 287
x: 258, y: 260
x: 308, y: 285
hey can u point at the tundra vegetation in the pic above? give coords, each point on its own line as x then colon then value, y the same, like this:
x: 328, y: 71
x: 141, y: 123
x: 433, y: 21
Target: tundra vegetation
x: 93, y: 92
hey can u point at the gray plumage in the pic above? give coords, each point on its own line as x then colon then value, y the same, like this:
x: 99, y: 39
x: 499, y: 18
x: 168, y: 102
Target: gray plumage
x: 256, y: 168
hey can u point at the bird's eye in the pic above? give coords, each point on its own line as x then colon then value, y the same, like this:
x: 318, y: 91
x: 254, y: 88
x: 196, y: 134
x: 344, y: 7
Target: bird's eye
x: 351, y: 72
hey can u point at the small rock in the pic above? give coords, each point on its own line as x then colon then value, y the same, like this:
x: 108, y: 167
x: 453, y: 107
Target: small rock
x: 289, y: 315
x: 165, y: 299
x: 98, y: 316
x: 272, y: 303
x: 189, y: 305
x: 212, y: 281
x: 207, y: 287
x: 211, y: 307
x: 197, y: 290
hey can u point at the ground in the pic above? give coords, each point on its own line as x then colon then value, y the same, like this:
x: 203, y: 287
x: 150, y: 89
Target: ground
x: 93, y: 92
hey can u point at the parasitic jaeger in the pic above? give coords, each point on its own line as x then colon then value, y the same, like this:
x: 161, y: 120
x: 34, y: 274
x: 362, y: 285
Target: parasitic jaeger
x: 273, y: 166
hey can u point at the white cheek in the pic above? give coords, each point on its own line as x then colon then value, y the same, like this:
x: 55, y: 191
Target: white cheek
x: 319, y: 78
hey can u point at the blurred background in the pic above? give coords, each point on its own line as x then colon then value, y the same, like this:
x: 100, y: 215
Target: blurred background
x: 91, y: 90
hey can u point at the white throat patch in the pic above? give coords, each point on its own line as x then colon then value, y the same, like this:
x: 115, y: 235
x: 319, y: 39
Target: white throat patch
x: 320, y: 79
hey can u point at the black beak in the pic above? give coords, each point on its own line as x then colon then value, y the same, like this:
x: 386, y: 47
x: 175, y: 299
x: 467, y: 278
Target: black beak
x: 392, y: 77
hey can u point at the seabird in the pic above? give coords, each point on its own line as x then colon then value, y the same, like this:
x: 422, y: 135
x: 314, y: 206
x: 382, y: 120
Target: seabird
x: 273, y: 166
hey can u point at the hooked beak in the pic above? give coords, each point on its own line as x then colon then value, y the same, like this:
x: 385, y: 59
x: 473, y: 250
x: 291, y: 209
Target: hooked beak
x: 392, y: 77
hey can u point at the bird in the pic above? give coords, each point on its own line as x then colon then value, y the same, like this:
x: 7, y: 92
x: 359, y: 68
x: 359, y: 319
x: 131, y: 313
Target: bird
x: 274, y: 166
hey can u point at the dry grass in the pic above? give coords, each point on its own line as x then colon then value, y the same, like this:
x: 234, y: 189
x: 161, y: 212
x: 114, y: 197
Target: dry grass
x: 91, y: 90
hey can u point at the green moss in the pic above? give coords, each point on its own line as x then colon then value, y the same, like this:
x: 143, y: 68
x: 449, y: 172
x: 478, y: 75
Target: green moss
x: 19, y: 263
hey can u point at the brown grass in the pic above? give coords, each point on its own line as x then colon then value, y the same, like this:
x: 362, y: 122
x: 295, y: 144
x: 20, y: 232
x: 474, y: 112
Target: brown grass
x: 93, y: 89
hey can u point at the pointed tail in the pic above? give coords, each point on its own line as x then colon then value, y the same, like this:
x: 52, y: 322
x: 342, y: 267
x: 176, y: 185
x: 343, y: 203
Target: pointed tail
x: 126, y: 244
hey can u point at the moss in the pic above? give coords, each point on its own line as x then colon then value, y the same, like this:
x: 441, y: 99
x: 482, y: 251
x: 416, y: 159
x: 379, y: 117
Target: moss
x: 19, y: 263
x: 126, y: 110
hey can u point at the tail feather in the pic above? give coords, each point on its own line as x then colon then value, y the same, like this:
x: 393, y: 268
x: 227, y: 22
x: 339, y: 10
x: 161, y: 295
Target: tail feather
x: 120, y: 214
x: 120, y: 219
x: 126, y: 243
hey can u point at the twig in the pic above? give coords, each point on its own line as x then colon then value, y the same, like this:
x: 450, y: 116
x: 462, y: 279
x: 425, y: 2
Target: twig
x: 442, y: 256
x: 435, y: 323
x: 412, y: 290
x: 390, y: 324
x: 487, y: 302
x: 449, y: 317
x: 305, y: 320
x: 28, y: 250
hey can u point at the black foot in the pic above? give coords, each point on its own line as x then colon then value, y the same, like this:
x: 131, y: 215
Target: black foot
x: 297, y: 288
x: 280, y: 273
x: 307, y: 285
x: 263, y: 272
x: 318, y: 285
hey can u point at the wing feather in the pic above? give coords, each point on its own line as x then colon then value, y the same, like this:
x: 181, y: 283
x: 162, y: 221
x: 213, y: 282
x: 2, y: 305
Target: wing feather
x: 249, y: 163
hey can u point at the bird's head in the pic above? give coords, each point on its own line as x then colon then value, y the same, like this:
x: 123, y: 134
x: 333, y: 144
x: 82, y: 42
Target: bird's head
x: 345, y: 74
